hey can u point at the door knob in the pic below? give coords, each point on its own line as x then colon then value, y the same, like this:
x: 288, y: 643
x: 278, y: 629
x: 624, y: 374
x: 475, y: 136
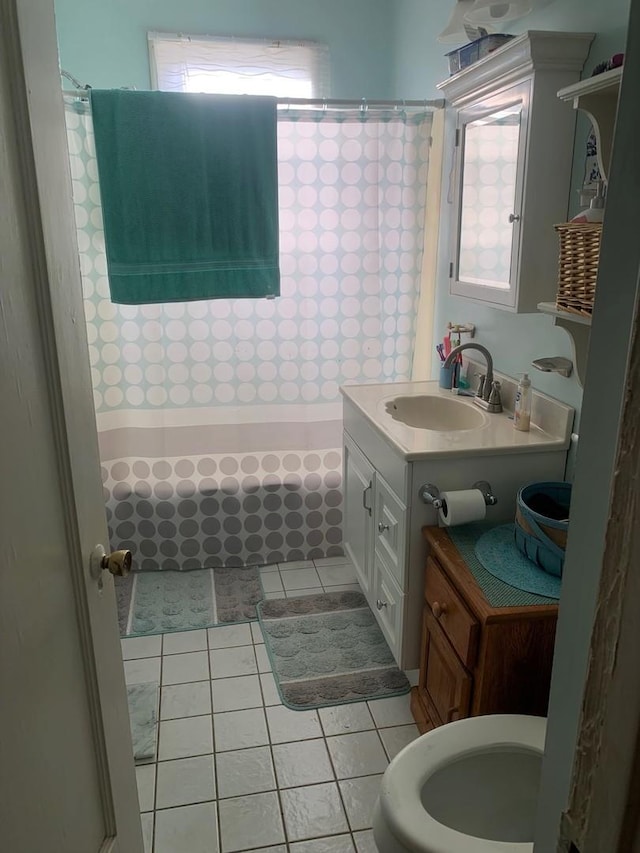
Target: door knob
x: 117, y: 562
x: 382, y: 527
x: 380, y: 604
x: 438, y: 609
x: 514, y: 217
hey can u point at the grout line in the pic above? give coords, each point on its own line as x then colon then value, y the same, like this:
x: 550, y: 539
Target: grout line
x: 155, y: 774
x: 213, y: 744
x: 273, y: 762
x: 335, y: 773
x: 153, y: 822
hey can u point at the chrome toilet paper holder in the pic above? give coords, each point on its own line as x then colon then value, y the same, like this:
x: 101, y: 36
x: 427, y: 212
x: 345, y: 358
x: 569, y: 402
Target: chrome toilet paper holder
x: 430, y: 494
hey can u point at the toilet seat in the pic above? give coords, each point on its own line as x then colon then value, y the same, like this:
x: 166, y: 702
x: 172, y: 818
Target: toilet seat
x: 400, y: 805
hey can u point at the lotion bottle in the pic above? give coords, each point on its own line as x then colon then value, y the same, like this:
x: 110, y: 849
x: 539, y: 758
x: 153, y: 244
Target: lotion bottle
x: 522, y: 410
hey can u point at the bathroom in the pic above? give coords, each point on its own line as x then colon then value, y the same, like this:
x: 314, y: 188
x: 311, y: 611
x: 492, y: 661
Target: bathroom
x: 303, y: 780
x: 361, y: 64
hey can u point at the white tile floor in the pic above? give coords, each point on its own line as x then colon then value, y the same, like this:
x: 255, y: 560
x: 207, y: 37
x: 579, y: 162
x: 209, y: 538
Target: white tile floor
x: 236, y: 770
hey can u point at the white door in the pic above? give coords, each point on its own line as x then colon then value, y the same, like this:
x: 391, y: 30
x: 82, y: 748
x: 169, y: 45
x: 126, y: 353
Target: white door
x: 67, y: 781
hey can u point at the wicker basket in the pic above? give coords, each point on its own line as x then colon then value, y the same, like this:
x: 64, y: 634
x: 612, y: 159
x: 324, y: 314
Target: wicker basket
x: 578, y: 266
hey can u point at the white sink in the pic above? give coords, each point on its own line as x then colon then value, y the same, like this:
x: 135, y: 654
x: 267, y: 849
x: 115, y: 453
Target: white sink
x: 420, y: 420
x: 441, y: 414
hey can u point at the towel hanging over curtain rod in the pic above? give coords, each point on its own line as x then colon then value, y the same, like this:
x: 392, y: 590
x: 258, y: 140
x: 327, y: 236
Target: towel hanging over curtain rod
x: 319, y: 103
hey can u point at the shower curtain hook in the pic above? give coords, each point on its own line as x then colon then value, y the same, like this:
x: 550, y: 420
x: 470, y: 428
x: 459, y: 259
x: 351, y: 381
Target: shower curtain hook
x: 325, y: 106
x: 364, y: 106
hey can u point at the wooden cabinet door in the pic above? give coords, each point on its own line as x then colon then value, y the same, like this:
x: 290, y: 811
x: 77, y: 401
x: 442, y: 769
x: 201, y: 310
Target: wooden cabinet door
x: 445, y: 685
x: 359, y: 476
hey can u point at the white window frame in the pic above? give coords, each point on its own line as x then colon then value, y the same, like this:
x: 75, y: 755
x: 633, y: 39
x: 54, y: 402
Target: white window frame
x: 300, y: 68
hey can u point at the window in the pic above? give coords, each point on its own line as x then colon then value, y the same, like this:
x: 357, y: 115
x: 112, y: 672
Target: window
x: 182, y: 63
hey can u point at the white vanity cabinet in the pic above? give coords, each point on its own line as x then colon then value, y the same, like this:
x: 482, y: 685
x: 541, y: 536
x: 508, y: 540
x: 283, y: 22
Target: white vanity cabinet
x: 512, y: 169
x: 375, y: 533
x: 384, y: 517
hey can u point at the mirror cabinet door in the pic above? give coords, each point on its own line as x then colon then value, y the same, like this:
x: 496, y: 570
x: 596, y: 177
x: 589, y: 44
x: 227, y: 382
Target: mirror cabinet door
x: 491, y: 137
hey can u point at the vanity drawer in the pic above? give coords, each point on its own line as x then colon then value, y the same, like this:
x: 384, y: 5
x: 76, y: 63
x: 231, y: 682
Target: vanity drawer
x: 388, y: 605
x: 447, y: 607
x: 390, y: 529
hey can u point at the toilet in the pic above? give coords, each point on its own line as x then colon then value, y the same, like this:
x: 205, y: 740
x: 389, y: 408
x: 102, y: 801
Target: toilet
x: 466, y: 787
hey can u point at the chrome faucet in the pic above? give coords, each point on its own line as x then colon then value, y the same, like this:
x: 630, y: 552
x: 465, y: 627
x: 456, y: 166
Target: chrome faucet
x: 488, y: 394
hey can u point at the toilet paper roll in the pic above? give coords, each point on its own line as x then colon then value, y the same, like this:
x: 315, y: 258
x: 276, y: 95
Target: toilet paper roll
x: 461, y: 507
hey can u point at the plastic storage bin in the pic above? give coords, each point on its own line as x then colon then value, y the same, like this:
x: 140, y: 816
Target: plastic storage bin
x: 542, y: 523
x: 466, y: 55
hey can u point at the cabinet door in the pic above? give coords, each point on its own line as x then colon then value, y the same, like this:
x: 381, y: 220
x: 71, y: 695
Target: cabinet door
x: 445, y: 685
x: 491, y: 142
x: 359, y: 476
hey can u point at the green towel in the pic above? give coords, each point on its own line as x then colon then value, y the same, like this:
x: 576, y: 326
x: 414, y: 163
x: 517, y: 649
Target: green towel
x: 189, y: 192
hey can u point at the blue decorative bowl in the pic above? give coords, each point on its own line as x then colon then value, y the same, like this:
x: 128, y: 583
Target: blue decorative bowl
x: 542, y: 523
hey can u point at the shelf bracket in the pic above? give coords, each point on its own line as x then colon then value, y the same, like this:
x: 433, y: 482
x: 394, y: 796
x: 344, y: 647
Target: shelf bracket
x: 601, y: 108
x: 597, y: 97
x: 579, y: 336
x: 578, y: 328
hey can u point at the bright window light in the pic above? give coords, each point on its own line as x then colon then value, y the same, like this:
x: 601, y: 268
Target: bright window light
x: 231, y: 66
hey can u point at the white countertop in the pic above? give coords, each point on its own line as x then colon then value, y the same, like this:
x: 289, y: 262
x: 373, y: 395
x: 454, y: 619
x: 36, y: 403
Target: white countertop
x: 496, y: 435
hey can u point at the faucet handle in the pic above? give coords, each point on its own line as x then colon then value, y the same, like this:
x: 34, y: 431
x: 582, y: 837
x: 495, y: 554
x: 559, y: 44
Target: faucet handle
x: 495, y: 399
x: 481, y: 381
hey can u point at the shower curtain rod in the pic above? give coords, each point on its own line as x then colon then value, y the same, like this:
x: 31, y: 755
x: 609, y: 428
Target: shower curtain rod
x: 363, y: 103
x: 324, y: 103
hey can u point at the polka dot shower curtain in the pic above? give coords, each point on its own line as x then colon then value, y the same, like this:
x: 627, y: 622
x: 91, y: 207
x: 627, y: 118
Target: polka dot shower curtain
x: 219, y: 421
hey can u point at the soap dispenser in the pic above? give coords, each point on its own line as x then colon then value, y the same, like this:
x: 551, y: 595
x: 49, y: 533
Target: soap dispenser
x: 595, y: 211
x: 522, y: 409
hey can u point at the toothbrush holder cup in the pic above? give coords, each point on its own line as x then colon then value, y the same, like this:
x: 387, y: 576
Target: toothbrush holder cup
x: 447, y: 376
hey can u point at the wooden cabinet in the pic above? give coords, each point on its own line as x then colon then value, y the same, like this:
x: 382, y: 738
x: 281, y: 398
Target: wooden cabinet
x: 476, y: 658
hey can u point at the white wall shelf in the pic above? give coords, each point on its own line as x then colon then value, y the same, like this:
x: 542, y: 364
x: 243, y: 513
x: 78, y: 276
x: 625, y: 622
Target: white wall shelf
x: 578, y: 328
x: 598, y: 98
x: 569, y: 316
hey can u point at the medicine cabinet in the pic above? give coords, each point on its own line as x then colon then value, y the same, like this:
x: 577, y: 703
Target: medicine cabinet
x: 511, y: 180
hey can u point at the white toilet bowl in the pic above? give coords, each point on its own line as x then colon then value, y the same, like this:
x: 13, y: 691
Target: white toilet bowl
x: 467, y: 787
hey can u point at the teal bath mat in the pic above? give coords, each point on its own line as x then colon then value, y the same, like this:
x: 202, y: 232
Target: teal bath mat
x: 327, y: 649
x: 143, y: 717
x: 160, y: 602
x: 498, y: 553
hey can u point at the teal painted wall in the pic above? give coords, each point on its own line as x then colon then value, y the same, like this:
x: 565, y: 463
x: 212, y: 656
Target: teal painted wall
x: 420, y: 62
x: 105, y: 41
x: 379, y: 48
x: 514, y: 340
